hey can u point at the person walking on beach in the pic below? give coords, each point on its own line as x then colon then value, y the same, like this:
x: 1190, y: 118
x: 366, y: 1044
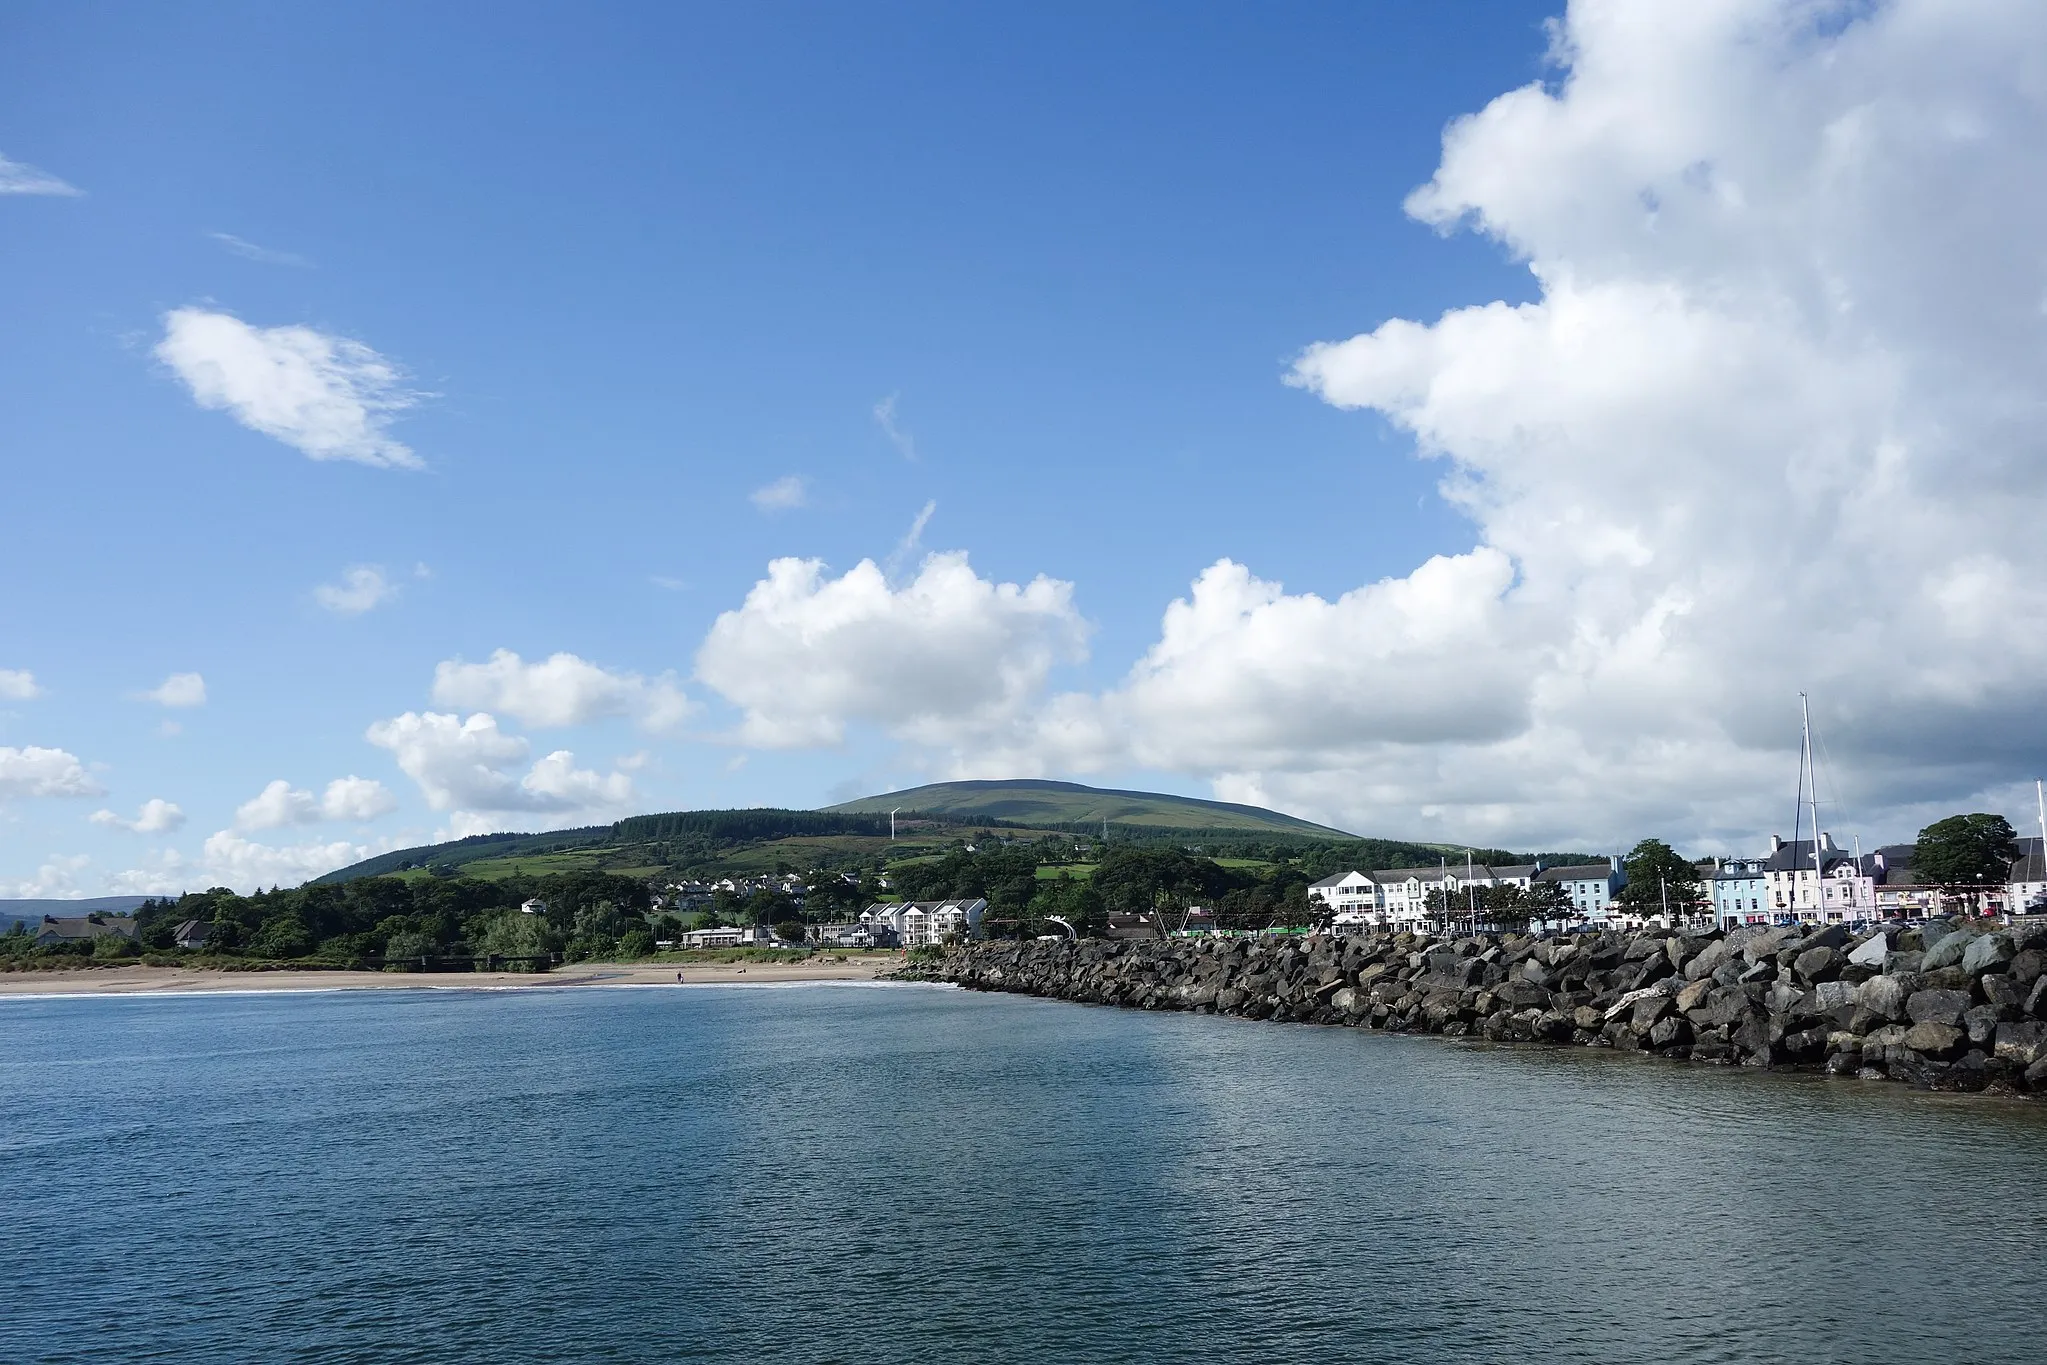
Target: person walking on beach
x: 678, y: 978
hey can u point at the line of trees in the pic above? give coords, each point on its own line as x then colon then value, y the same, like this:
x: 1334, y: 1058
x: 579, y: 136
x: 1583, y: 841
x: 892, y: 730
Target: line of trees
x: 589, y: 914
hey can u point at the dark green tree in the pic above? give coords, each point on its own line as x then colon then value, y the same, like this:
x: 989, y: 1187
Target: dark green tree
x: 1657, y: 872
x: 1973, y: 851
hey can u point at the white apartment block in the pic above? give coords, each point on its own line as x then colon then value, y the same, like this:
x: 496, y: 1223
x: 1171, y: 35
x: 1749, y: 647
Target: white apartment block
x: 1404, y: 897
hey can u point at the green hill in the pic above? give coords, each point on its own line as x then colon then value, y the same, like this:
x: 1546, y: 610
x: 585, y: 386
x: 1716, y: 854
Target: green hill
x: 1037, y: 802
x: 733, y: 842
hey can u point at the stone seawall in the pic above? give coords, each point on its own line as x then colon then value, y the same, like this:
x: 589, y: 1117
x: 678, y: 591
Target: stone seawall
x: 1941, y: 1007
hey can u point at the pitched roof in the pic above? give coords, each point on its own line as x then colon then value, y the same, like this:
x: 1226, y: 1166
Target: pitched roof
x: 78, y: 928
x: 1577, y: 872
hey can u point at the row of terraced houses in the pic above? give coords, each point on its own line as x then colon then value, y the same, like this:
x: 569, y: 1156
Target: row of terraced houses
x: 1787, y: 883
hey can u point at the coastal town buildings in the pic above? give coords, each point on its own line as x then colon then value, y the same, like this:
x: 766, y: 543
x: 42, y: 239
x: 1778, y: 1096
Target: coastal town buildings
x: 919, y: 924
x: 1408, y: 897
x: 1739, y: 891
x: 1592, y: 888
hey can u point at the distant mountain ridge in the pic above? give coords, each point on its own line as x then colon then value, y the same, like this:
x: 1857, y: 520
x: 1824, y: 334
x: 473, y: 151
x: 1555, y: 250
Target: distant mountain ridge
x: 32, y: 911
x: 1037, y: 801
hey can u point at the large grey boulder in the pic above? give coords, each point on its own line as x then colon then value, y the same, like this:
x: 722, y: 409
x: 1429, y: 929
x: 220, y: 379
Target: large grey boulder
x: 1708, y: 961
x: 2026, y: 967
x: 1871, y: 952
x: 1694, y: 995
x: 1766, y: 944
x: 1980, y: 1023
x: 1937, y: 1007
x: 1816, y: 964
x: 1884, y: 996
x: 2022, y: 1042
x: 1934, y: 1040
x: 1833, y: 936
x: 1946, y: 953
x: 1828, y: 996
x: 1986, y: 953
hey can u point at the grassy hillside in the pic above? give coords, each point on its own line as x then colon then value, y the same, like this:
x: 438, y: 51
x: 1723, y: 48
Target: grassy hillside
x: 855, y: 837
x: 1036, y: 802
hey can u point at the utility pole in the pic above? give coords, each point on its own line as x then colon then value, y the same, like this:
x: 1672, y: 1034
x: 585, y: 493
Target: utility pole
x: 1470, y: 893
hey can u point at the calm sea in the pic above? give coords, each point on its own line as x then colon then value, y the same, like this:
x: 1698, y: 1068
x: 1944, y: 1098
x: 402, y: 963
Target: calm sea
x: 836, y: 1173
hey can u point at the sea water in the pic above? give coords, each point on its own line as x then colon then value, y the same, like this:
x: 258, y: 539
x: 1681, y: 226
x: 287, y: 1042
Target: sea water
x: 836, y: 1173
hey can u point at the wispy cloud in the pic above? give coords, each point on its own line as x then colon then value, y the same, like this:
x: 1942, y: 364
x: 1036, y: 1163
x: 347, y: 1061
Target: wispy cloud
x: 784, y: 493
x: 907, y: 548
x: 249, y: 251
x: 667, y: 584
x: 885, y: 416
x: 18, y: 684
x: 362, y: 587
x: 19, y: 178
x: 326, y: 396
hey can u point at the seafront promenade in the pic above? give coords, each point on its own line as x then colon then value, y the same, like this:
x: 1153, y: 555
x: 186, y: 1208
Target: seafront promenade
x: 1943, y: 1006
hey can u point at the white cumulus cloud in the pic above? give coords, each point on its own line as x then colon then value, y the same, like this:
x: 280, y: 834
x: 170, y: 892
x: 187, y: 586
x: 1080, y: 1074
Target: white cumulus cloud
x: 18, y: 684
x: 362, y: 587
x: 280, y: 804
x: 157, y: 816
x: 56, y: 879
x: 178, y: 690
x: 326, y: 396
x: 468, y: 767
x: 18, y: 178
x: 947, y: 656
x: 228, y: 859
x: 35, y: 771
x: 560, y: 690
x: 1772, y: 425
x: 784, y: 493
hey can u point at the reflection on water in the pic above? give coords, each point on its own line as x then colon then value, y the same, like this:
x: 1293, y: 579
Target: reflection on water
x: 922, y: 1174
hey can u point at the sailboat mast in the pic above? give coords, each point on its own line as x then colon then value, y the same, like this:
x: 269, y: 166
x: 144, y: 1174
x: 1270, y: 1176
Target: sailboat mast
x: 1812, y: 780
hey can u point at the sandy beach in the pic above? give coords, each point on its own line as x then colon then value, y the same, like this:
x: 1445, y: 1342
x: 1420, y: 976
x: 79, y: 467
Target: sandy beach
x: 141, y: 980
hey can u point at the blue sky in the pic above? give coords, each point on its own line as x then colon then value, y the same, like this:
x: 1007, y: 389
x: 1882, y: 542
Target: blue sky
x: 634, y: 267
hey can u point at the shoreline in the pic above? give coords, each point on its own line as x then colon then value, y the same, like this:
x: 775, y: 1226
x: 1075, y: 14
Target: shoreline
x: 134, y: 979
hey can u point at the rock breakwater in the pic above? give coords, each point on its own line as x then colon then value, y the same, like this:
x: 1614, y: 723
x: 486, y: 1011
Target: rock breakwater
x: 1946, y: 1006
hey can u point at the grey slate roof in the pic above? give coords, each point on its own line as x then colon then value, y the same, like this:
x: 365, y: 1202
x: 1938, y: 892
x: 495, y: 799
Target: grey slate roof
x: 1580, y: 872
x: 76, y: 929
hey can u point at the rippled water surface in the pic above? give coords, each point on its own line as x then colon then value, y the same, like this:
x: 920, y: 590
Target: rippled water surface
x: 907, y: 1173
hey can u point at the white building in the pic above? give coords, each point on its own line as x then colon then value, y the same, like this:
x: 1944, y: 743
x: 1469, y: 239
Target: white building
x: 1837, y: 888
x: 1353, y: 899
x: 919, y: 924
x: 2027, y: 882
x: 1591, y: 888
